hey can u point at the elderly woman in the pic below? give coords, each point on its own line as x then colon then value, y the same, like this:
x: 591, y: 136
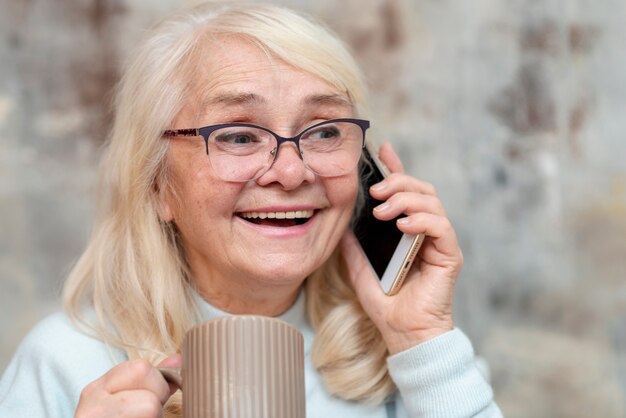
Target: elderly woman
x: 189, y: 230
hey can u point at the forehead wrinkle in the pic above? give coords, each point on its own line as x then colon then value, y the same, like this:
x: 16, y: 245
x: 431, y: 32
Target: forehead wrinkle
x: 212, y: 85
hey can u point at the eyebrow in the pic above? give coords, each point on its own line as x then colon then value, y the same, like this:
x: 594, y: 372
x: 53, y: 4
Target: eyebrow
x: 235, y: 99
x: 328, y: 100
x: 243, y: 99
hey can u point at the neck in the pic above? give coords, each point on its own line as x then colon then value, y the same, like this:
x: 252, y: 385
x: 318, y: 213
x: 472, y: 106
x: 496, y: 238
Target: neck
x: 247, y: 297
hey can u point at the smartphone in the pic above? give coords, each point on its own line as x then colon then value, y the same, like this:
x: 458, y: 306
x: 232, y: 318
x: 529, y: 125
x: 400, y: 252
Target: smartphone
x: 389, y: 251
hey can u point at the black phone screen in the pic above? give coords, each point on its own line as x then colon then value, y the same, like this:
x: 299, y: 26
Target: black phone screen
x: 378, y: 239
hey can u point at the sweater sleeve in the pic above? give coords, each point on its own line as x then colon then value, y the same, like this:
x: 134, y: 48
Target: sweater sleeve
x: 440, y: 378
x: 49, y: 370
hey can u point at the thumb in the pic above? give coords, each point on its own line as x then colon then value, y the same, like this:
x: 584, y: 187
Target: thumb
x: 174, y: 361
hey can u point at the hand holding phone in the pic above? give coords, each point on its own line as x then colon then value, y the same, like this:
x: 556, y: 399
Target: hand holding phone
x: 422, y: 309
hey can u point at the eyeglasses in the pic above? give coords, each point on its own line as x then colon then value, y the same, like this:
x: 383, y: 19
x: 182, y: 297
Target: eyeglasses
x: 241, y: 151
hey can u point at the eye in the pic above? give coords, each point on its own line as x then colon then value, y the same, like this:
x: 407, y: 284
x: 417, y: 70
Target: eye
x: 237, y: 137
x: 323, y: 132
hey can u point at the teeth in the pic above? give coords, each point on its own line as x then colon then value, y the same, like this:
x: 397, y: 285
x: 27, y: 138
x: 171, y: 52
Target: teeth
x: 278, y: 215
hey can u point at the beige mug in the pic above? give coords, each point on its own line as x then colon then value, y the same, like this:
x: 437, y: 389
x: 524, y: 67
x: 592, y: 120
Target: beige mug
x: 241, y: 366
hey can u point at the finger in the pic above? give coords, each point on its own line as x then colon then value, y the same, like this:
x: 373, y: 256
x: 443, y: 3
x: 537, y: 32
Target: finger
x: 363, y: 279
x: 429, y: 254
x: 396, y: 182
x: 438, y: 228
x: 136, y: 375
x: 134, y: 403
x: 408, y: 203
x: 390, y: 158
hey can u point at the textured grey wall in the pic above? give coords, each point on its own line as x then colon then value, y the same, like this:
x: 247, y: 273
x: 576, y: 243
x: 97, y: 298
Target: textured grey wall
x: 513, y: 109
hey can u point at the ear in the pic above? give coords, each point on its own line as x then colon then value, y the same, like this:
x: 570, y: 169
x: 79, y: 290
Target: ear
x: 163, y: 199
x: 164, y: 210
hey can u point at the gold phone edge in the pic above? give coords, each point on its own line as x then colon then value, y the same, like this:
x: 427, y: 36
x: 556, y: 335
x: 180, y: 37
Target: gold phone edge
x: 409, y: 258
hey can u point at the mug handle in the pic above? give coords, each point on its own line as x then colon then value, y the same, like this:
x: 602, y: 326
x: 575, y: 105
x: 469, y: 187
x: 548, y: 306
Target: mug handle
x: 172, y: 375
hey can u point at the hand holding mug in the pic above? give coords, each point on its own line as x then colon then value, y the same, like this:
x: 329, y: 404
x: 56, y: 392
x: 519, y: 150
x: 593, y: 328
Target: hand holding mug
x: 134, y: 388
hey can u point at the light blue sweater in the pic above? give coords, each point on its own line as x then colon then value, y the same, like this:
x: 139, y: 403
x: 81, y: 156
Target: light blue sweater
x: 438, y: 378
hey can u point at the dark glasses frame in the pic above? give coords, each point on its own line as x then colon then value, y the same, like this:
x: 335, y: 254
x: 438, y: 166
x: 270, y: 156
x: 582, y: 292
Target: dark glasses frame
x: 206, y: 132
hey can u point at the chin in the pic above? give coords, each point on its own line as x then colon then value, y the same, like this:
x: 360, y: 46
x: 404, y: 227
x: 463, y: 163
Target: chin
x: 280, y: 276
x: 286, y: 273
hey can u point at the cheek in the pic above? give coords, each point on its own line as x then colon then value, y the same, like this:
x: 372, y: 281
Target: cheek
x: 197, y: 194
x: 343, y: 192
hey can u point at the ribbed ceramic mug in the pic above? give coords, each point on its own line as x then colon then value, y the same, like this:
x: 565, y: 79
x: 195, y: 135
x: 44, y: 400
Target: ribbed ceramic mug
x: 242, y: 366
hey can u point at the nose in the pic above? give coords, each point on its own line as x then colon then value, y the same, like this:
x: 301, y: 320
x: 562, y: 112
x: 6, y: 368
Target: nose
x: 288, y: 169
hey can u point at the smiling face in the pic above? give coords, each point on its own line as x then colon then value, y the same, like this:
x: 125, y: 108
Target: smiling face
x: 270, y: 233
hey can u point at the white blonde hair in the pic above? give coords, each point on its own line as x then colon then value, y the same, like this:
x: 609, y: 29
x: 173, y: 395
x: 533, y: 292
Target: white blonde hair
x: 133, y: 273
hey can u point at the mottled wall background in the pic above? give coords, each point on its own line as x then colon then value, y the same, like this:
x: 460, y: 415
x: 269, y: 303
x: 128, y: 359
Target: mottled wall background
x: 513, y: 109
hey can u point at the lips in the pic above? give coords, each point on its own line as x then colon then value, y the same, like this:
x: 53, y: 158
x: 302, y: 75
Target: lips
x: 278, y: 218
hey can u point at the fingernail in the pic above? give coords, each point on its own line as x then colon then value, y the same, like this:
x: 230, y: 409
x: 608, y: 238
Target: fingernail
x: 381, y: 208
x: 404, y: 221
x: 380, y: 186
